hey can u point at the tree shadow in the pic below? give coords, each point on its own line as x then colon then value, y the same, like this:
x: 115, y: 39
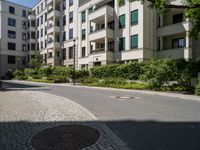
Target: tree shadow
x: 138, y: 135
x: 8, y: 86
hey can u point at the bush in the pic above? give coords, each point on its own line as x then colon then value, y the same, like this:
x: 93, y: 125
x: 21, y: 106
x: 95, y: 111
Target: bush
x: 58, y: 79
x: 19, y: 74
x: 30, y: 72
x: 45, y: 71
x: 158, y: 72
x: 82, y: 74
x: 197, y: 90
x: 61, y: 71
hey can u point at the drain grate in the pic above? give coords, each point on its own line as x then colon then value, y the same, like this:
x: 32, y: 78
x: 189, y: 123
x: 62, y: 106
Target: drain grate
x: 123, y: 97
x: 65, y: 137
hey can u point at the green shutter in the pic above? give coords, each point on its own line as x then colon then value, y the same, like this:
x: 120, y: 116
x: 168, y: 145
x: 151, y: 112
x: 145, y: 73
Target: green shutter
x: 134, y: 41
x: 122, y: 21
x: 134, y: 17
x: 122, y: 44
x: 83, y: 16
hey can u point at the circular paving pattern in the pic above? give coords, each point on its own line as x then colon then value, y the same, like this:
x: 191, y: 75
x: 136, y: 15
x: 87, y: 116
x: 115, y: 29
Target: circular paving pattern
x: 65, y: 137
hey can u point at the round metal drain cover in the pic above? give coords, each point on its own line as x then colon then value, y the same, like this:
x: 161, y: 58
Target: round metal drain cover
x: 65, y: 137
x: 124, y: 97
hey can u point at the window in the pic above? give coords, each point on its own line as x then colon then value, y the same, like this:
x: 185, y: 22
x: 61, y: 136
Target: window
x: 23, y: 47
x: 23, y: 60
x: 134, y: 41
x: 50, y: 55
x: 23, y: 13
x: 83, y: 52
x: 45, y: 30
x: 38, y: 11
x: 32, y: 46
x: 83, y: 34
x: 83, y: 17
x: 38, y: 34
x: 64, y: 36
x: 121, y: 2
x: 41, y: 19
x: 11, y: 59
x: 134, y: 17
x: 11, y: 22
x: 11, y: 34
x: 58, y: 53
x: 122, y: 44
x: 24, y: 36
x: 177, y: 18
x: 70, y: 2
x: 45, y: 16
x: 122, y: 21
x: 71, y: 50
x: 42, y: 7
x: 178, y: 43
x: 41, y: 44
x: 11, y: 46
x: 71, y: 34
x: 71, y: 17
x: 64, y: 54
x: 41, y: 32
x: 38, y: 22
x: 11, y: 10
x: 24, y: 24
x: 64, y: 4
x: 64, y: 20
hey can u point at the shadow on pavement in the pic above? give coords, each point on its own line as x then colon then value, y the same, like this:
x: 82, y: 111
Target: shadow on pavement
x: 147, y: 135
x: 22, y: 87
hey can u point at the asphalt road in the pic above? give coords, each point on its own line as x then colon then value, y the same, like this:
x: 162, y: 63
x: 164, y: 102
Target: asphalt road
x: 147, y: 122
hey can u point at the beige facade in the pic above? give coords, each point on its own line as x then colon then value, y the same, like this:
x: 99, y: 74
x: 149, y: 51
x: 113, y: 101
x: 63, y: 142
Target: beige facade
x: 100, y: 31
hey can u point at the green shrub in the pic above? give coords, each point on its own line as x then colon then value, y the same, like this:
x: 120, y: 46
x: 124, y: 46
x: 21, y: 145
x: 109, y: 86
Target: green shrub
x: 45, y: 71
x: 158, y: 72
x: 62, y: 71
x: 30, y: 72
x: 197, y: 89
x: 89, y: 80
x: 82, y: 74
x: 18, y: 74
x: 58, y: 79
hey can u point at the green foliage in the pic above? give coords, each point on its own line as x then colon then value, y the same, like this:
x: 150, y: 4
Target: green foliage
x: 36, y: 62
x: 158, y: 72
x: 45, y: 71
x: 30, y: 72
x: 82, y: 74
x: 62, y: 71
x: 19, y: 74
x: 58, y: 79
x: 197, y: 90
x: 129, y: 71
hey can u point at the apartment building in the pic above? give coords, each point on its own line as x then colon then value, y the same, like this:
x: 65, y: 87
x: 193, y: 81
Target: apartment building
x: 100, y: 32
x: 13, y: 36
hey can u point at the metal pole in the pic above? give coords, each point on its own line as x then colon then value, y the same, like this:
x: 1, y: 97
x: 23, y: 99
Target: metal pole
x: 74, y: 67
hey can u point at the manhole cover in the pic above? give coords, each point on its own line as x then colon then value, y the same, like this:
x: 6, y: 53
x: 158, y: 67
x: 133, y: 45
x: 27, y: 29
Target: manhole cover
x: 124, y: 97
x: 66, y: 137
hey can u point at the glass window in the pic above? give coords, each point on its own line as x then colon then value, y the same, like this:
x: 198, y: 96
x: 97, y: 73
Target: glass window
x: 11, y: 59
x: 134, y: 17
x: 11, y: 46
x: 178, y: 43
x: 70, y: 2
x: 122, y: 21
x: 83, y: 16
x: 134, y: 41
x: 71, y: 17
x: 11, y: 10
x: 83, y: 34
x: 83, y: 52
x: 23, y: 13
x: 71, y: 50
x: 122, y: 44
x: 24, y: 36
x: 178, y: 18
x: 71, y: 34
x: 11, y: 34
x: 11, y: 22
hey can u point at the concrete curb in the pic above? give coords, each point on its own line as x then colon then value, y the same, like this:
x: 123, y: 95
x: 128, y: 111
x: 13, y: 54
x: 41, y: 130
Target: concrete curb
x: 174, y: 95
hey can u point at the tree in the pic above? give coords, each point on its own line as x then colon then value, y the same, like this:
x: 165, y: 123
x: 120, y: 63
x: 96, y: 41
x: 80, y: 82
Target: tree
x: 191, y: 9
x: 36, y: 62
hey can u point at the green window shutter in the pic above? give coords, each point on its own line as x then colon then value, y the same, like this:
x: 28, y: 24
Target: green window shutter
x: 134, y: 41
x: 122, y: 44
x: 134, y: 17
x: 83, y: 16
x: 122, y: 21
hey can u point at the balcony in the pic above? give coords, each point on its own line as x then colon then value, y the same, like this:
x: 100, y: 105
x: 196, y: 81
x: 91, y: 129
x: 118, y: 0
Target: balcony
x: 104, y: 10
x: 178, y: 53
x: 174, y: 29
x: 53, y: 44
x: 52, y: 29
x: 31, y: 17
x: 97, y: 51
x: 99, y: 34
x: 53, y: 13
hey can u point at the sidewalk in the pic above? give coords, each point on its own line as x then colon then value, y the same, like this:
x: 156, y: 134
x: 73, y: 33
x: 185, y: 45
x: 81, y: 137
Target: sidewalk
x: 26, y: 113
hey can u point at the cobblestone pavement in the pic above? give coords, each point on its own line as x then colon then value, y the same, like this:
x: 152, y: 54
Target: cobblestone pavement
x: 25, y: 113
